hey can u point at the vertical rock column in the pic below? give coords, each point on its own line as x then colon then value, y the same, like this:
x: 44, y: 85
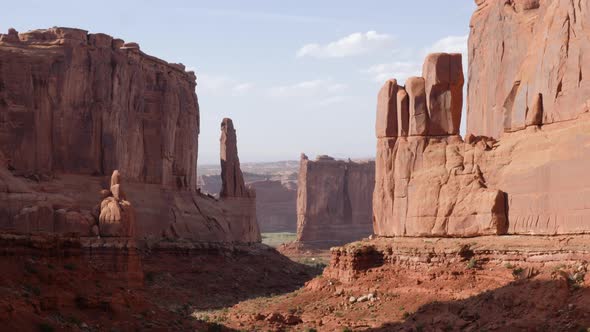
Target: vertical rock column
x: 232, y: 180
x: 239, y: 201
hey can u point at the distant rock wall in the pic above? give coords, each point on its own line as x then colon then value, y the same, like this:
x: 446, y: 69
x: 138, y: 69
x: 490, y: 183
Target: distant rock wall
x: 76, y: 106
x: 276, y: 206
x: 334, y: 200
x: 527, y: 64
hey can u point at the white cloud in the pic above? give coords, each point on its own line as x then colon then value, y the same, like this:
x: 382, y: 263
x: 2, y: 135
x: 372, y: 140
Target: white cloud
x: 399, y: 70
x: 221, y: 85
x: 308, y: 89
x: 411, y: 63
x: 355, y: 44
x: 332, y: 100
x: 242, y: 88
x: 450, y: 44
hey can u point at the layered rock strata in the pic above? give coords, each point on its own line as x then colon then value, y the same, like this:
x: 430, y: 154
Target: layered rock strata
x: 334, y: 200
x: 526, y: 61
x: 427, y: 181
x: 76, y: 106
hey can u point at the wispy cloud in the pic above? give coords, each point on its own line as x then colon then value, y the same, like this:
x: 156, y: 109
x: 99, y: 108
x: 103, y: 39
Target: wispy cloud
x: 308, y: 88
x: 267, y: 16
x: 450, y: 44
x: 352, y: 45
x: 400, y: 70
x: 410, y: 64
x: 208, y: 84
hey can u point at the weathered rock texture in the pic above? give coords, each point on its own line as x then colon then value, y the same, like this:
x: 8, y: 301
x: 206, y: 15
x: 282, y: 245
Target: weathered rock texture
x: 117, y: 216
x: 84, y: 103
x: 232, y: 180
x: 527, y: 56
x: 76, y: 106
x: 427, y: 183
x: 527, y: 88
x: 334, y: 200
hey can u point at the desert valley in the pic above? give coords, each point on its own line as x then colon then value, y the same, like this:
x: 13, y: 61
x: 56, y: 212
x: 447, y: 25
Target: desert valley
x: 109, y: 221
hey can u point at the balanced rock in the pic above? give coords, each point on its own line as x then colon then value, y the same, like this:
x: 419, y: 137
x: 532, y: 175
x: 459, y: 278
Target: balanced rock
x: 117, y: 216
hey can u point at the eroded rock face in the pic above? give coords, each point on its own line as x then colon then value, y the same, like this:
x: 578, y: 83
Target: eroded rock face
x: 232, y: 179
x: 530, y: 181
x: 82, y: 103
x: 427, y: 181
x: 334, y: 200
x: 117, y: 215
x: 76, y: 106
x: 523, y: 49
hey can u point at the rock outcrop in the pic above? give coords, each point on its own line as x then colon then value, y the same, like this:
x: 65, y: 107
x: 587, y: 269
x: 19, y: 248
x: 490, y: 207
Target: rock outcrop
x: 427, y: 183
x: 334, y: 200
x: 522, y: 167
x: 117, y: 216
x: 232, y: 179
x: 526, y: 61
x: 76, y: 106
x: 84, y: 103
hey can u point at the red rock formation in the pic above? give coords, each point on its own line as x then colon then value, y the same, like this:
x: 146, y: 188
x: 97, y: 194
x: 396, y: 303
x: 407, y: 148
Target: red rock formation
x: 232, y: 180
x: 334, y: 200
x: 75, y: 102
x: 524, y: 72
x: 117, y: 216
x: 76, y: 106
x: 276, y: 198
x: 425, y: 184
x: 522, y: 49
x: 276, y: 206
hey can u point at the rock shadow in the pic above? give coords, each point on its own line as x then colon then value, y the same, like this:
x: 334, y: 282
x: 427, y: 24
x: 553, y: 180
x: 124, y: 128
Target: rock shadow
x: 523, y: 305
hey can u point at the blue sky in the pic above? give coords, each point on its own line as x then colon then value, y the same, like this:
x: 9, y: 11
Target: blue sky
x: 295, y: 76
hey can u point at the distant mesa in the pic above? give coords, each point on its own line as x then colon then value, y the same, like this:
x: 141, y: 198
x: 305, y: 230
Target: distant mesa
x: 334, y: 201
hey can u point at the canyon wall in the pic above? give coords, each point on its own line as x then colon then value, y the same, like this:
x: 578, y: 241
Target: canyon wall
x: 276, y: 205
x: 526, y: 64
x: 334, y: 200
x: 521, y: 168
x: 276, y: 197
x: 74, y: 107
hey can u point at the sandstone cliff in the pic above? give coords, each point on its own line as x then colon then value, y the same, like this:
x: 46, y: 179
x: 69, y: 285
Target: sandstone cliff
x: 76, y: 106
x: 334, y: 200
x: 427, y: 183
x: 526, y: 64
x: 525, y: 89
